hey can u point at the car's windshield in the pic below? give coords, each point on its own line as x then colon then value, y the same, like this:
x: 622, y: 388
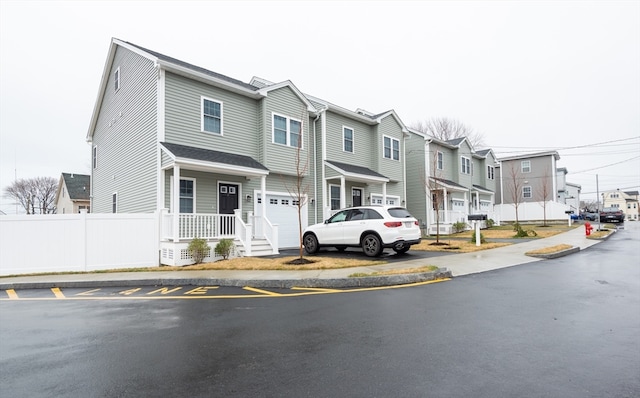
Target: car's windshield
x: 399, y: 212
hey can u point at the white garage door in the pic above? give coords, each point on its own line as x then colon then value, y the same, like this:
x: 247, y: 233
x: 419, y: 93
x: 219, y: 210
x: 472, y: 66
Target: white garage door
x: 282, y: 210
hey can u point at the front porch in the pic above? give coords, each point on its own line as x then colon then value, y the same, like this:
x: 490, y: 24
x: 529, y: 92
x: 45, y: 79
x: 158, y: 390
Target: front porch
x: 256, y: 236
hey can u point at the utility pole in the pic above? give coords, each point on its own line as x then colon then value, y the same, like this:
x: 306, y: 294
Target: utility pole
x: 598, y: 202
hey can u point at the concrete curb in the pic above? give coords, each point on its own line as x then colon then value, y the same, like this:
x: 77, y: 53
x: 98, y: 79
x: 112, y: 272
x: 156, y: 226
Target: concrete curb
x: 607, y: 236
x: 369, y: 281
x: 560, y: 253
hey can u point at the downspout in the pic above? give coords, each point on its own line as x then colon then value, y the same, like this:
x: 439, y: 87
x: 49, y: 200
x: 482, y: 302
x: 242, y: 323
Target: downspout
x: 315, y: 170
x: 323, y: 148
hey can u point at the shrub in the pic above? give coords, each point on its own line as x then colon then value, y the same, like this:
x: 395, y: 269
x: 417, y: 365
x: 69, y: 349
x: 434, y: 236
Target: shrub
x: 473, y: 238
x: 459, y: 226
x: 224, y: 248
x: 521, y: 233
x: 198, y: 249
x: 490, y: 223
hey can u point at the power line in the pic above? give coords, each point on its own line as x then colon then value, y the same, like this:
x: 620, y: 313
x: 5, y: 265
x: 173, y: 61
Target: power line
x: 607, y: 165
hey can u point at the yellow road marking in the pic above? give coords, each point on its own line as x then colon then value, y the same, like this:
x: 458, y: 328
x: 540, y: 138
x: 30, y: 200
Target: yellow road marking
x: 316, y: 289
x: 263, y: 293
x: 57, y: 292
x: 253, y: 289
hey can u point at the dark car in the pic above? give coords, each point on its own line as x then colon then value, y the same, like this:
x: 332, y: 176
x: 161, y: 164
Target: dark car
x: 611, y: 214
x: 590, y: 215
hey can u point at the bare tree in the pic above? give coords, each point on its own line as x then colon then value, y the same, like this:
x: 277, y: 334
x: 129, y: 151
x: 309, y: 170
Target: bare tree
x: 515, y: 182
x: 433, y: 187
x: 544, y: 194
x: 35, y: 195
x: 447, y: 129
x: 299, y: 189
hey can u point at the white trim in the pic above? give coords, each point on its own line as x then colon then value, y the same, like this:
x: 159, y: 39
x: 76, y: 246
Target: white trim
x: 491, y: 172
x: 439, y: 154
x: 381, y: 197
x: 353, y: 139
x: 288, y: 130
x: 464, y: 165
x: 94, y: 158
x: 362, y: 190
x: 391, y: 148
x: 202, y: 99
x: 522, y: 163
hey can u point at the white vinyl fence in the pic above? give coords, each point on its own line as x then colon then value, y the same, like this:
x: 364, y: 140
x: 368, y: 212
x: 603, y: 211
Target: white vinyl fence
x: 532, y: 211
x: 77, y: 242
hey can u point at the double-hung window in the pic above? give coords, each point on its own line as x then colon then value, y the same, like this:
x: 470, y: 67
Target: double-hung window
x: 211, y: 116
x: 465, y: 165
x: 439, y: 160
x: 525, y: 166
x: 391, y: 148
x: 187, y: 190
x: 490, y: 172
x: 526, y: 192
x: 347, y: 139
x: 287, y: 131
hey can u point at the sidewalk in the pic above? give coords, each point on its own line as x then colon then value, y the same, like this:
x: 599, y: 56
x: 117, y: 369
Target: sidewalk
x: 451, y: 265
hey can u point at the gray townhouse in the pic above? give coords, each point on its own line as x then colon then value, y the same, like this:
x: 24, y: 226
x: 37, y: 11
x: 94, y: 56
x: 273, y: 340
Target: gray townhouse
x: 451, y: 176
x: 216, y: 157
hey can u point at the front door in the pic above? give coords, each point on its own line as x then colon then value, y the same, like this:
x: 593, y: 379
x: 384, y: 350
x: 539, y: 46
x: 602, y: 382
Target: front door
x: 227, y: 203
x: 356, y: 194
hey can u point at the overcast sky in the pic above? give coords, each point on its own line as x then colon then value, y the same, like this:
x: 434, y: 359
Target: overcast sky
x: 530, y: 76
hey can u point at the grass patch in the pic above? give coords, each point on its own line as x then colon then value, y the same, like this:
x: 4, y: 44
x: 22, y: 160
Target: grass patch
x: 549, y: 250
x: 603, y: 233
x: 240, y: 263
x: 458, y: 246
x: 426, y: 268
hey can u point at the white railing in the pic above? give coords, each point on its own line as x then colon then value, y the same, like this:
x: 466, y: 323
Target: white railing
x: 449, y: 216
x: 205, y: 226
x: 243, y: 232
x: 264, y: 229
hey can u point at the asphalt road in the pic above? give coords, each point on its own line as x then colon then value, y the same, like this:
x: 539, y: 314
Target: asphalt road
x: 568, y: 327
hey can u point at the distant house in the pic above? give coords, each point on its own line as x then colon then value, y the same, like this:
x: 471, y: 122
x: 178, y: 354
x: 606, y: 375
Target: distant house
x: 448, y: 182
x: 568, y: 193
x: 530, y: 184
x: 221, y: 158
x: 73, y: 193
x: 626, y: 201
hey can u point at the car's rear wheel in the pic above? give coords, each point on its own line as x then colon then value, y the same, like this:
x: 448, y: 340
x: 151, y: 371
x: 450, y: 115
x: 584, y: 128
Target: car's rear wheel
x: 310, y: 244
x: 371, y: 245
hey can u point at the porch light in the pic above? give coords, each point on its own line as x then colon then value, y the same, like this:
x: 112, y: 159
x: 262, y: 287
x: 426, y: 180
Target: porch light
x: 248, y: 198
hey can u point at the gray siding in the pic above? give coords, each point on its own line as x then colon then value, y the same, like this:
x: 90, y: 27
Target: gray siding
x: 391, y: 168
x: 125, y: 136
x: 535, y: 178
x: 280, y: 159
x: 183, y: 117
x: 415, y: 153
x: 363, y: 151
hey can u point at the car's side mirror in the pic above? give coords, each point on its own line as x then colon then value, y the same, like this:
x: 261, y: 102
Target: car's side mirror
x: 326, y: 221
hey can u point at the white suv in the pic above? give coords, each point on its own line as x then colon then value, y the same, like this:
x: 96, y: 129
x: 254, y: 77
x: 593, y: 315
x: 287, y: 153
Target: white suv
x: 371, y: 227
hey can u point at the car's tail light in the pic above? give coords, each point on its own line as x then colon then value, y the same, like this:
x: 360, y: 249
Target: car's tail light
x: 416, y: 223
x: 393, y: 224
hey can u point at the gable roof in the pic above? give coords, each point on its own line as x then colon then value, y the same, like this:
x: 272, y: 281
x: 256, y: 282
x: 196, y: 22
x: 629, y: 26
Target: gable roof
x: 78, y: 185
x: 231, y: 160
x: 481, y: 188
x: 555, y: 154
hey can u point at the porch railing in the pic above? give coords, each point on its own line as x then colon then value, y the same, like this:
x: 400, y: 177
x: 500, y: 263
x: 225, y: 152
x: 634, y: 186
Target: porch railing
x: 205, y: 226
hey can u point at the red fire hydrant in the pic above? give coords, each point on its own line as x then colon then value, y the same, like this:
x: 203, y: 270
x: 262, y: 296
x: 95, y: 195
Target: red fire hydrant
x: 588, y: 228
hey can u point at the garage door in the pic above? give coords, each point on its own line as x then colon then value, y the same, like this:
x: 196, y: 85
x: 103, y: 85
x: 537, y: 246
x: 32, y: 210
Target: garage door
x: 282, y: 210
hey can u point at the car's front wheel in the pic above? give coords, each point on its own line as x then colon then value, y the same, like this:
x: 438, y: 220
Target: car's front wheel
x: 310, y: 244
x: 371, y: 245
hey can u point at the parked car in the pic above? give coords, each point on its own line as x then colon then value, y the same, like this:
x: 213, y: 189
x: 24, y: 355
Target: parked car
x: 590, y: 215
x: 611, y: 214
x: 371, y: 227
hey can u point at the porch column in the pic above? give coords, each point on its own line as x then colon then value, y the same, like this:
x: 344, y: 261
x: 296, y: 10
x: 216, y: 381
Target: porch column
x: 384, y: 193
x: 446, y: 205
x: 263, y: 204
x: 343, y: 193
x: 175, y: 203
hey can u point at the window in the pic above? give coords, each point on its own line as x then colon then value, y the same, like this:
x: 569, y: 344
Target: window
x: 186, y: 195
x: 287, y: 131
x: 391, y: 148
x: 525, y: 165
x: 465, y: 165
x: 490, y: 172
x: 114, y: 203
x: 95, y: 157
x: 211, y: 116
x: 335, y: 197
x: 526, y: 192
x: 440, y: 160
x: 347, y: 139
x: 116, y: 79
